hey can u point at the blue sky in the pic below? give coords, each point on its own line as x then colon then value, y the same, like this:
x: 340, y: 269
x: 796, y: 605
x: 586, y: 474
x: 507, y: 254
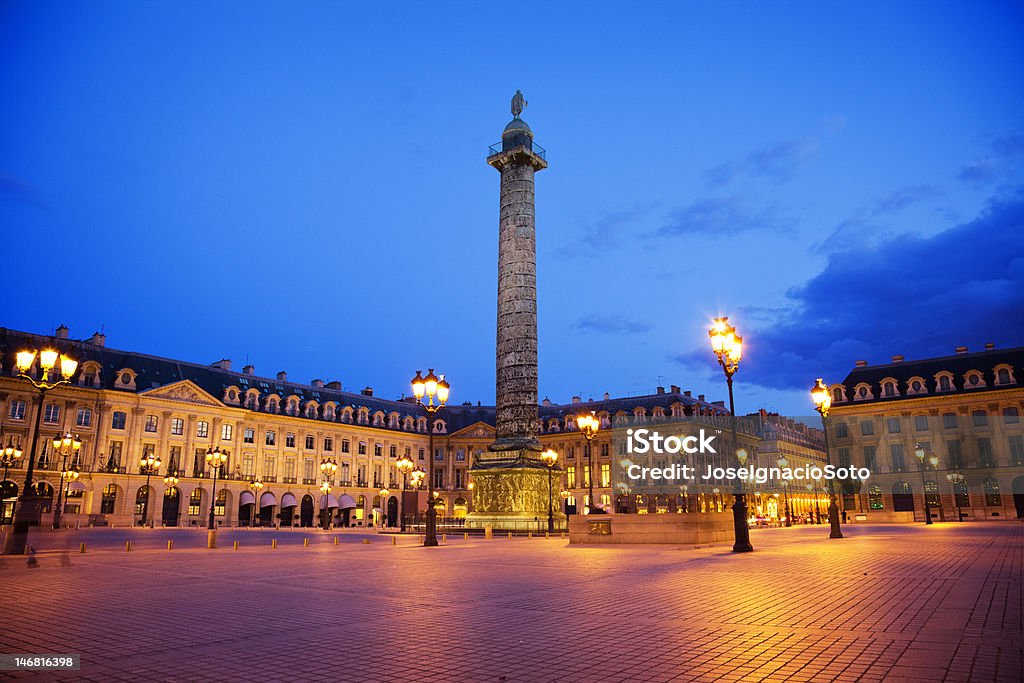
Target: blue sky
x: 304, y: 185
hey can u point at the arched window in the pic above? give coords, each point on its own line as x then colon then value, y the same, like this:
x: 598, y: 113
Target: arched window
x: 889, y: 388
x: 992, y: 496
x: 109, y: 499
x: 140, y: 500
x: 195, y: 502
x: 221, y: 504
x: 1004, y: 376
x: 875, y: 499
x: 902, y: 497
x: 837, y: 395
x: 945, y: 382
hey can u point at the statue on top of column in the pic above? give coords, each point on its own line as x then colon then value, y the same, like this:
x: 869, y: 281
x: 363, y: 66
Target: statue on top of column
x: 518, y: 103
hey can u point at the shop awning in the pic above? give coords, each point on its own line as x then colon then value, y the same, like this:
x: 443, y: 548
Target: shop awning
x: 268, y: 499
x: 246, y: 498
x: 347, y: 502
x: 288, y: 501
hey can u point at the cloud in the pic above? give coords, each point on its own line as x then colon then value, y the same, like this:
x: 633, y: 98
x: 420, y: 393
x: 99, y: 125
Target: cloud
x: 904, y: 197
x: 1011, y: 144
x: 603, y: 233
x: 777, y: 162
x: 718, y: 217
x: 913, y: 295
x: 986, y: 170
x: 610, y: 323
x: 979, y: 172
x: 866, y: 226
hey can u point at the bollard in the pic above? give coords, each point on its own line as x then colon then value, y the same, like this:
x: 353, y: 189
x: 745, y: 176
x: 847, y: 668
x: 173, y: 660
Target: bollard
x: 127, y: 546
x: 335, y: 540
x: 211, y: 539
x: 465, y: 536
x: 488, y: 531
x: 366, y: 541
x: 170, y: 544
x: 81, y: 547
x: 547, y: 535
x: 305, y: 542
x: 510, y: 535
x: 235, y: 546
x: 394, y: 540
x: 529, y: 535
x: 273, y: 543
x: 561, y: 535
x: 444, y: 538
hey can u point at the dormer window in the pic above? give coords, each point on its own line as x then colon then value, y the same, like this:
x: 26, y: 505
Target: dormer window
x: 1004, y: 375
x: 944, y: 381
x: 863, y: 392
x: 974, y: 380
x: 916, y: 386
x: 889, y: 388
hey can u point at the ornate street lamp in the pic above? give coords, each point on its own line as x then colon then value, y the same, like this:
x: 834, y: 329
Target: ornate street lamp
x: 550, y: 458
x: 934, y: 460
x: 728, y: 349
x: 325, y: 488
x: 150, y: 465
x: 430, y: 386
x: 66, y: 477
x: 822, y: 403
x: 784, y: 463
x: 955, y: 480
x: 384, y: 493
x: 256, y: 485
x: 404, y: 465
x: 589, y: 425
x: 9, y: 457
x: 64, y: 446
x: 215, y: 458
x: 51, y: 365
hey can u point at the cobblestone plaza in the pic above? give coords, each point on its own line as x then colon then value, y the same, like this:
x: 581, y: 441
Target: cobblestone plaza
x: 913, y: 603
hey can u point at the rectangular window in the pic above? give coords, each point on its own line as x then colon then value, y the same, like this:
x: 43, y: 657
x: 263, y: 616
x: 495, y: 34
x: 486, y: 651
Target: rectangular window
x: 1011, y: 416
x: 438, y: 454
x: 844, y: 457
x: 841, y: 430
x: 51, y: 414
x: 177, y: 426
x: 438, y: 479
x: 570, y: 476
x: 985, y: 458
x: 249, y: 435
x: 174, y: 459
x: 867, y: 428
x: 328, y: 443
x: 956, y: 454
x: 199, y: 463
x: 586, y: 476
x: 869, y: 458
x: 980, y: 418
x: 269, y: 467
x: 921, y: 423
x: 361, y: 475
x: 606, y: 474
x: 893, y: 425
x: 460, y: 455
x: 307, y: 471
x: 421, y: 454
x: 247, y: 465
x: 362, y: 448
x: 202, y: 429
x: 84, y: 418
x: 118, y: 419
x: 151, y: 424
x: 289, y: 440
x: 949, y: 420
x: 604, y: 450
x: 194, y: 502
x: 289, y: 469
x: 222, y: 499
x: 898, y: 463
x: 226, y: 432
x: 393, y: 452
x: 346, y: 473
x: 17, y: 410
x: 271, y: 438
x: 377, y: 478
x: 310, y: 443
x: 458, y: 479
x: 378, y: 450
x: 345, y: 447
x: 1016, y: 450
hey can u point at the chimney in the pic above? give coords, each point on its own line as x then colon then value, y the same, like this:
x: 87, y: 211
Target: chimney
x: 688, y: 394
x: 661, y: 390
x: 700, y: 397
x: 607, y: 396
x: 897, y: 359
x: 282, y: 376
x: 318, y: 383
x: 861, y: 364
x: 576, y: 399
x: 334, y: 384
x: 720, y: 404
x: 223, y: 364
x: 961, y: 349
x: 368, y: 391
x: 249, y: 370
x: 98, y: 339
x: 62, y: 332
x: 990, y: 346
x: 674, y: 389
x: 546, y: 401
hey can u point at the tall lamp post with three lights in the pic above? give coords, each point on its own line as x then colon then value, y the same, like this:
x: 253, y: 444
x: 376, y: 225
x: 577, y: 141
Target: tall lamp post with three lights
x: 65, y: 446
x: 920, y: 453
x: 430, y: 386
x: 589, y: 425
x: 550, y: 458
x: 405, y: 466
x: 51, y: 363
x: 215, y: 458
x: 728, y: 349
x: 150, y: 466
x: 823, y: 403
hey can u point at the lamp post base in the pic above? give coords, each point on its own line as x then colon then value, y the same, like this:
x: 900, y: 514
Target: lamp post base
x: 740, y: 529
x: 833, y: 520
x: 211, y: 539
x: 430, y: 537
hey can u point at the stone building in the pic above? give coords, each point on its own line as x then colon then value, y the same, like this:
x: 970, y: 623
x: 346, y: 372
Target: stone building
x: 963, y: 409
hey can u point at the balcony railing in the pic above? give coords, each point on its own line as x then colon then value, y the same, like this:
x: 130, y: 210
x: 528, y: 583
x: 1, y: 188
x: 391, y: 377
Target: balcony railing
x: 496, y: 148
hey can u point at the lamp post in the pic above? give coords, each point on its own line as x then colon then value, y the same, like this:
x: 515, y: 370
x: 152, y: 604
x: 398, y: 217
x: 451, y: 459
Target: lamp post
x: 564, y: 493
x: 728, y: 349
x: 67, y: 476
x: 955, y: 479
x: 813, y: 489
x: 783, y: 464
x: 404, y: 465
x: 934, y: 461
x: 150, y: 465
x: 256, y: 485
x: 328, y: 467
x: 171, y: 482
x: 215, y: 458
x: 550, y: 458
x: 62, y: 367
x: 63, y: 446
x: 822, y: 403
x: 9, y: 457
x: 325, y: 488
x: 384, y: 493
x: 430, y: 386
x: 589, y: 425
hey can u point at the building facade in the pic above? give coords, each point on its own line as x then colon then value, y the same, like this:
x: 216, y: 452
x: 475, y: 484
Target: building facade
x: 961, y: 410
